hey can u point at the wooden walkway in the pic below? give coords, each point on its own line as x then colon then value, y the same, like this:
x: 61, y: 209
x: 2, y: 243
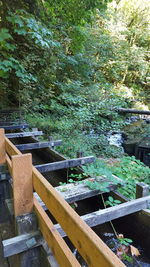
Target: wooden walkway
x: 26, y: 179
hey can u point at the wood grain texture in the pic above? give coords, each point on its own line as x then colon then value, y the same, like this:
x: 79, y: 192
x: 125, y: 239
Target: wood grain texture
x: 11, y: 148
x: 9, y: 164
x: 2, y: 147
x: 22, y: 184
x: 24, y: 134
x: 106, y: 215
x: 74, y: 191
x: 80, y: 234
x: 21, y: 243
x: 69, y: 163
x: 13, y: 127
x: 58, y: 246
x: 38, y: 145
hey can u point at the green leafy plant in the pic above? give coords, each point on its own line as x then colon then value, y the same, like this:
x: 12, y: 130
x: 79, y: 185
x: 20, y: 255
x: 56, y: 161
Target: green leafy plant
x: 112, y: 202
x: 131, y: 170
x: 102, y: 186
x: 125, y: 241
x: 127, y: 258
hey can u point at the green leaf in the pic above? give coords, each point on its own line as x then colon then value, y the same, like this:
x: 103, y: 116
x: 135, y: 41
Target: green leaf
x: 4, y: 34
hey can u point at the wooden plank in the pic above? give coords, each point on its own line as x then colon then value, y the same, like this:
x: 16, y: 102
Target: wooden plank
x: 2, y: 147
x: 112, y: 213
x: 80, y: 234
x: 7, y: 123
x: 14, y: 127
x: 22, y: 183
x: 142, y: 189
x: 9, y: 164
x: 48, y: 254
x: 11, y: 148
x: 59, y: 248
x: 64, y: 164
x: 74, y: 191
x: 21, y: 243
x: 23, y: 134
x: 135, y: 111
x: 38, y: 145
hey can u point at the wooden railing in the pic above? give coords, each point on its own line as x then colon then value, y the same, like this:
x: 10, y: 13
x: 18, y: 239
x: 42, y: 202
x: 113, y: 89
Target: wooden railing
x: 26, y: 179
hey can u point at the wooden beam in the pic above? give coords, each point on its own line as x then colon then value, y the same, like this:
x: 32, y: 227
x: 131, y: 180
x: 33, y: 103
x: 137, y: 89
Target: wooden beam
x: 38, y: 145
x: 13, y: 127
x: 74, y: 191
x: 80, y: 234
x: 112, y: 213
x: 7, y: 123
x: 23, y: 134
x: 142, y: 189
x: 21, y: 243
x: 135, y: 111
x: 22, y: 184
x: 64, y: 164
x: 59, y: 248
x: 2, y: 147
x: 11, y: 148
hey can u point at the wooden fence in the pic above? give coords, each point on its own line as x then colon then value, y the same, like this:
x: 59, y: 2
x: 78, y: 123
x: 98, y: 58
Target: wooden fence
x: 26, y: 179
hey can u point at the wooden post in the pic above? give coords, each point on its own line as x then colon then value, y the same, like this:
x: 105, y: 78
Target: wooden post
x: 51, y: 139
x: 22, y: 184
x: 34, y: 129
x: 2, y: 147
x: 142, y: 190
x: 80, y: 154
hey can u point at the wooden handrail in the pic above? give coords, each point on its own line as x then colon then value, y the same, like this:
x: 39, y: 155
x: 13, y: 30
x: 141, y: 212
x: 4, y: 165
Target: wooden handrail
x: 11, y: 149
x: 59, y: 247
x: 9, y: 164
x: 89, y: 245
x: 2, y: 147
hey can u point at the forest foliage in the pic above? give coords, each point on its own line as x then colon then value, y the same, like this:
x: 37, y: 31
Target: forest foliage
x: 70, y: 64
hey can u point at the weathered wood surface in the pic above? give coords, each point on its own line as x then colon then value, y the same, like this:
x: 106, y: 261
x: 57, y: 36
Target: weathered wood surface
x: 135, y: 111
x: 23, y: 134
x: 112, y: 213
x: 2, y: 147
x: 80, y: 234
x: 22, y: 184
x: 26, y: 224
x: 142, y: 189
x: 69, y: 163
x: 38, y: 145
x: 77, y: 191
x: 21, y: 243
x: 60, y: 249
x: 14, y: 127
